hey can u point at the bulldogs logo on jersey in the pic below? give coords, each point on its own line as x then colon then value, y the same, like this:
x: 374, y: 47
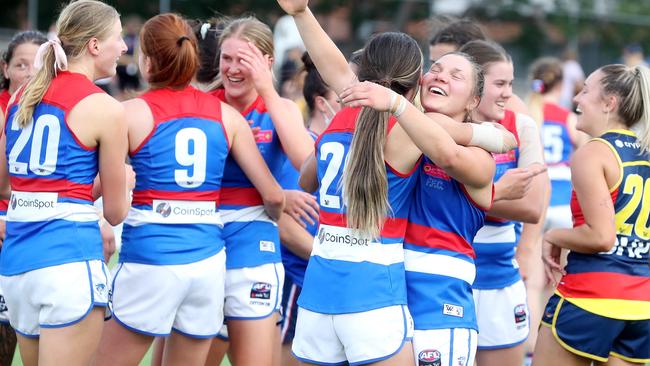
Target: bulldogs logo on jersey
x: 261, y: 290
x: 429, y: 357
x: 164, y: 209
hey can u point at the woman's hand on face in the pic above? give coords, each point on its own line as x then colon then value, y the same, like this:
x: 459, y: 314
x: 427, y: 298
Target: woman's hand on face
x: 258, y: 66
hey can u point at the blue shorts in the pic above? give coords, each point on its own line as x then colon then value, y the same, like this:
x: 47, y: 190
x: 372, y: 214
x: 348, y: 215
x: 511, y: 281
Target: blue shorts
x: 596, y: 337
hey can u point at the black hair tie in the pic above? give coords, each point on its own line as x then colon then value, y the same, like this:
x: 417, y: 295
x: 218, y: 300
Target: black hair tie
x: 181, y: 39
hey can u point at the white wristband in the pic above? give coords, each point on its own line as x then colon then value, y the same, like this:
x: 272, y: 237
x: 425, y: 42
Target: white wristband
x: 393, y: 99
x: 401, y: 107
x: 487, y: 137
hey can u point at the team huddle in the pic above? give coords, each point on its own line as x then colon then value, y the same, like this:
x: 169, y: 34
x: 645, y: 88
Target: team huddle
x: 384, y: 230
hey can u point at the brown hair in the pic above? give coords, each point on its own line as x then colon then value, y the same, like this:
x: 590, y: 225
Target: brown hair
x: 170, y: 44
x: 545, y: 74
x: 34, y: 37
x: 78, y: 23
x: 458, y: 32
x: 393, y: 60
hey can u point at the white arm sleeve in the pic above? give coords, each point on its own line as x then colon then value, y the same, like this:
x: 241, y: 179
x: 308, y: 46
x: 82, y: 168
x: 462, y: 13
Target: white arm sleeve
x: 530, y: 144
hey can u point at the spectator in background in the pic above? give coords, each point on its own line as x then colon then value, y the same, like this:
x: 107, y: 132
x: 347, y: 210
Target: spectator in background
x: 633, y: 55
x: 128, y: 75
x: 288, y: 45
x: 572, y: 78
x: 454, y: 34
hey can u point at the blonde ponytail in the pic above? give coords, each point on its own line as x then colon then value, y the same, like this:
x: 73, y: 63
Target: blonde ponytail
x: 365, y: 183
x: 35, y: 89
x: 644, y: 122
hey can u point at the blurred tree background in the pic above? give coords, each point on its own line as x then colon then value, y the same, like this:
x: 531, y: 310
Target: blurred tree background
x: 598, y: 29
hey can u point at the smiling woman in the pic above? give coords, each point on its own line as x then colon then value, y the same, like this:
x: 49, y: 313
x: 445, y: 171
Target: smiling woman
x: 62, y: 128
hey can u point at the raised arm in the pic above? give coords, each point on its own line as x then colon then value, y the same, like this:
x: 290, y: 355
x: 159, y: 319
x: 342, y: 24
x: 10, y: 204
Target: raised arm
x: 246, y: 154
x: 330, y: 62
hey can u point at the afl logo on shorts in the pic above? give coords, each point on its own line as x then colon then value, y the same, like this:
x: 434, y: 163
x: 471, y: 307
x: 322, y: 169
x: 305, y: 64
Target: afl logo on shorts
x: 429, y: 357
x: 164, y: 209
x: 520, y: 313
x: 261, y: 290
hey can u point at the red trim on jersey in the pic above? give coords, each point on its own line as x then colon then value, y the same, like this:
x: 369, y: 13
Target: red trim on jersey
x: 258, y: 105
x: 393, y: 227
x: 66, y: 90
x: 167, y: 105
x: 509, y: 121
x: 605, y: 285
x: 5, y: 97
x: 4, y: 205
x: 555, y: 113
x: 240, y: 196
x: 146, y: 197
x: 63, y: 187
x: 576, y: 210
x: 469, y: 197
x: 429, y: 237
x: 407, y: 174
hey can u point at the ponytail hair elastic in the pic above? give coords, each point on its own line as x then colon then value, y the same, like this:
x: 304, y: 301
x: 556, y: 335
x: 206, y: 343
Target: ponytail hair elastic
x: 180, y: 40
x: 60, y: 60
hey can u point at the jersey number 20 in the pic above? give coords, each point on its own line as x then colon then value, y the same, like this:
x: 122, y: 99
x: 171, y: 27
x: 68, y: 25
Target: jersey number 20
x: 48, y: 165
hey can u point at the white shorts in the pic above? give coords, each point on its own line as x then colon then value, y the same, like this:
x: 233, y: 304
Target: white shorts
x: 451, y: 346
x: 558, y: 217
x: 503, y: 316
x: 56, y: 296
x: 357, y: 338
x: 185, y: 298
x: 253, y: 292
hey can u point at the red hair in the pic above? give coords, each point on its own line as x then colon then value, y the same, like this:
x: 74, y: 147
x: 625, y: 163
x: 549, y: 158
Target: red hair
x: 171, y: 46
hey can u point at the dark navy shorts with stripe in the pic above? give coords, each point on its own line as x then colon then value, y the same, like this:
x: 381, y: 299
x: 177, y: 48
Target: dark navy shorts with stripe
x: 597, y: 337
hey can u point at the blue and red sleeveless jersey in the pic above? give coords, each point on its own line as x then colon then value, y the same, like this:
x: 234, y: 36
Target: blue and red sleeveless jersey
x: 349, y: 272
x: 294, y: 266
x: 252, y: 238
x: 174, y: 217
x: 616, y: 284
x: 51, y: 219
x: 496, y: 241
x: 557, y: 152
x: 438, y: 253
x: 4, y: 102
